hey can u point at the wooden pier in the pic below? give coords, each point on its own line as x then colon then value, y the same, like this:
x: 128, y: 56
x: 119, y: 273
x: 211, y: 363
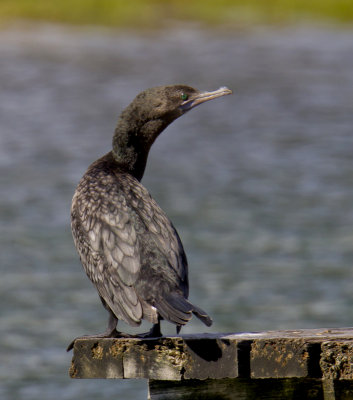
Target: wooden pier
x: 298, y: 364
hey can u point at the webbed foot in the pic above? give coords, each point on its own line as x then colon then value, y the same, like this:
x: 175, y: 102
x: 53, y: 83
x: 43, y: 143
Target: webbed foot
x: 111, y: 334
x: 154, y: 332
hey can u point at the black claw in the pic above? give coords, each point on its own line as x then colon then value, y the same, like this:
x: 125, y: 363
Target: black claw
x: 71, y: 345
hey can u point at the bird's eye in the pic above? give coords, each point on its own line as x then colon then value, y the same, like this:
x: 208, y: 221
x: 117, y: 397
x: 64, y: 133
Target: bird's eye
x: 184, y: 96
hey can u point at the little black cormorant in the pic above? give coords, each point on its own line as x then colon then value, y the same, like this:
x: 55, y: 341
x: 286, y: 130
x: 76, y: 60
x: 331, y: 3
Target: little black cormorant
x: 127, y: 245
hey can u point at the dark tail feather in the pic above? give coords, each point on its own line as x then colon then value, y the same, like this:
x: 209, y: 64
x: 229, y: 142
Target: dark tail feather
x: 177, y: 310
x: 176, y: 315
x: 202, y: 315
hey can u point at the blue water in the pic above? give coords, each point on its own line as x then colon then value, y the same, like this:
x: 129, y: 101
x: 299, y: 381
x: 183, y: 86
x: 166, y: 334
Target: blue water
x: 258, y: 184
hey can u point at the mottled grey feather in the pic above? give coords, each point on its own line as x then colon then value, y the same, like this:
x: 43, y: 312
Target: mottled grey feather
x: 125, y: 237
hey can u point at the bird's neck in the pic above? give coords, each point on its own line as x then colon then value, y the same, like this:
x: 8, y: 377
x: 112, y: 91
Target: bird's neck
x: 132, y: 142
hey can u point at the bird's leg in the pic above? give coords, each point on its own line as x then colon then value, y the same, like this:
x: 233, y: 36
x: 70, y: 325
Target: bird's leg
x: 154, y: 332
x: 110, y: 332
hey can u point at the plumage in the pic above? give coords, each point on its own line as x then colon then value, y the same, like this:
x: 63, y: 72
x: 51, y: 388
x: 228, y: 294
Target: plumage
x: 128, y: 247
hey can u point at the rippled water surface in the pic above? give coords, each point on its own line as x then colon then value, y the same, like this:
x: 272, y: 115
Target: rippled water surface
x: 259, y: 184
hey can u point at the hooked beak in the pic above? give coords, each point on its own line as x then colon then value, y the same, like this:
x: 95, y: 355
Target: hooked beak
x: 204, y: 96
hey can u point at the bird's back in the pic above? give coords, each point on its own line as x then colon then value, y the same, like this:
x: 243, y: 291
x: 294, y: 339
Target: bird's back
x: 128, y: 246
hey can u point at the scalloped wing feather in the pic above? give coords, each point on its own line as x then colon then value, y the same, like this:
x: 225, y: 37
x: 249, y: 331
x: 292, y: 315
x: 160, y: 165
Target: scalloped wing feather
x: 113, y: 217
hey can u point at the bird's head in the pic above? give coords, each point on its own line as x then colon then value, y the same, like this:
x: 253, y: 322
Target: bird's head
x: 170, y: 102
x: 150, y: 113
x: 157, y: 107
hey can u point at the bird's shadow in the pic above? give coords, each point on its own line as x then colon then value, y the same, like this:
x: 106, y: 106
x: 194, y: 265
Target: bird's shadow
x: 208, y: 350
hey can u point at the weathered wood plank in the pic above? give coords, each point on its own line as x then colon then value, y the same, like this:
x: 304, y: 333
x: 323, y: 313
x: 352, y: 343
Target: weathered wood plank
x: 311, y: 353
x: 283, y: 358
x: 237, y: 389
x: 336, y: 359
x: 173, y: 358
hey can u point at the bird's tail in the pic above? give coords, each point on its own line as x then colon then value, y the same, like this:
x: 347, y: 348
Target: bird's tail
x: 178, y: 310
x: 202, y: 315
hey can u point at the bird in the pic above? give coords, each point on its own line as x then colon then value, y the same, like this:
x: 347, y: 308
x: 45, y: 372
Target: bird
x: 127, y: 245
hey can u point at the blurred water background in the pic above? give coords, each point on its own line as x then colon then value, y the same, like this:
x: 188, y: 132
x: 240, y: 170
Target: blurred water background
x: 259, y: 184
